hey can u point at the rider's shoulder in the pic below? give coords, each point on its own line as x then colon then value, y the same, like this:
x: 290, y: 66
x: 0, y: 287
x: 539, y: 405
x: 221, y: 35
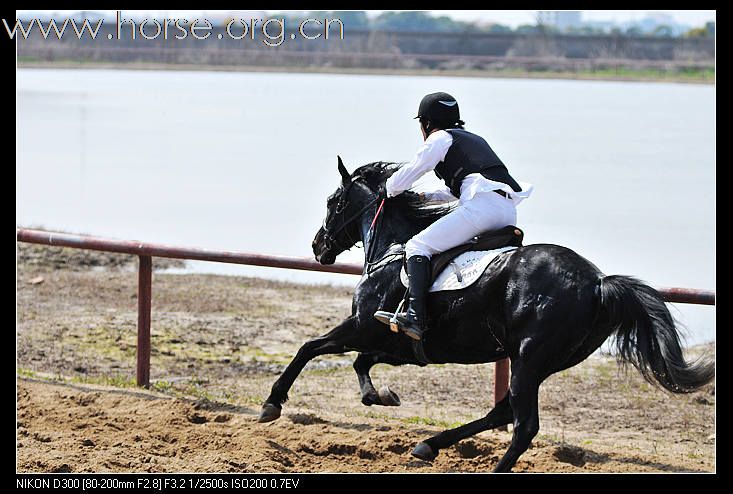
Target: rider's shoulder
x: 439, y: 137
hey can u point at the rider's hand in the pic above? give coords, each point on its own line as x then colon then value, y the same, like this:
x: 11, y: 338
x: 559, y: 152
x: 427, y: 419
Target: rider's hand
x: 382, y: 192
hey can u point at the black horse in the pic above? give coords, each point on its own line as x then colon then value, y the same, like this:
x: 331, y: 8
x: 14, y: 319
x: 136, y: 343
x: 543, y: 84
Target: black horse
x: 543, y: 306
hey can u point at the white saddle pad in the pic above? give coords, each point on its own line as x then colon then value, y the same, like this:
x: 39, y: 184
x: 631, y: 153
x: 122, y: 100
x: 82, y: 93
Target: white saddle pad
x: 463, y: 271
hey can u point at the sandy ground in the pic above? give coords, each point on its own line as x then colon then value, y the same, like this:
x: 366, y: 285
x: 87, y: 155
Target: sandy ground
x: 219, y: 343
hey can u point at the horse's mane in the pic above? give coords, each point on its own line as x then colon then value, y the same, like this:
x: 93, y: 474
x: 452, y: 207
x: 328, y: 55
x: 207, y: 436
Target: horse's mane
x: 409, y: 202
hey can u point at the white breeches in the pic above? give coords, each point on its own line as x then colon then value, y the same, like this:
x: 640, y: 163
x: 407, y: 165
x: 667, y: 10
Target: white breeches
x: 484, y: 211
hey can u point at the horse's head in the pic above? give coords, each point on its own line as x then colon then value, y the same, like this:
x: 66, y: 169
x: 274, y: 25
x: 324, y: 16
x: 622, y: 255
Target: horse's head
x: 344, y: 210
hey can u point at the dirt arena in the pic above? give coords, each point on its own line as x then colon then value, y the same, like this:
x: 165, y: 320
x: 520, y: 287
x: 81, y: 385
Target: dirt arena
x: 219, y: 343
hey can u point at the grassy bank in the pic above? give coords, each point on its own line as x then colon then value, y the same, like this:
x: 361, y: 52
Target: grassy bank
x: 698, y: 76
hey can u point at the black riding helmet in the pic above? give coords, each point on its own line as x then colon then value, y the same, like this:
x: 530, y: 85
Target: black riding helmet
x: 441, y: 109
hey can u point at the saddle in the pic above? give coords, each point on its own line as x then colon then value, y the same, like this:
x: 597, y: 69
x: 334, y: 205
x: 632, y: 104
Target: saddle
x: 509, y: 236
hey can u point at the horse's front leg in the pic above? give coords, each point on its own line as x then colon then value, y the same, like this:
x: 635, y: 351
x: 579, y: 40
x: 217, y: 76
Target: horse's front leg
x: 369, y: 395
x: 331, y: 342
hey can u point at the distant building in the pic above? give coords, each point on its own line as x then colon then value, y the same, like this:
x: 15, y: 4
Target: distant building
x: 562, y: 20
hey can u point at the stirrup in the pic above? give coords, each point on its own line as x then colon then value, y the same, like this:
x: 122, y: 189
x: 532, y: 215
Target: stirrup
x: 390, y: 318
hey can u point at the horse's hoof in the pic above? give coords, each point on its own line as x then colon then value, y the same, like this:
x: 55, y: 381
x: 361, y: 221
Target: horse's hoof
x: 269, y: 413
x: 370, y: 399
x: 424, y: 452
x: 388, y: 398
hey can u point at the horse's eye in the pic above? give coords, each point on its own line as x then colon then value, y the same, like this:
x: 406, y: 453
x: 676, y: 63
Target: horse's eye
x: 340, y: 206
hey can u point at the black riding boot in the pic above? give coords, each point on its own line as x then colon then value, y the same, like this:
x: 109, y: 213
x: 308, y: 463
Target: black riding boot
x: 413, y: 322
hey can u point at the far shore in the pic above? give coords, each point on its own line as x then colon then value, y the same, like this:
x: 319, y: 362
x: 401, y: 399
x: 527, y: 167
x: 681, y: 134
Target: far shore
x: 627, y: 75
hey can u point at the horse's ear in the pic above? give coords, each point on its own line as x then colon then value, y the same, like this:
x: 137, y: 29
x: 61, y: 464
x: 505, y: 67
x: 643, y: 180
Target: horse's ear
x: 345, y: 175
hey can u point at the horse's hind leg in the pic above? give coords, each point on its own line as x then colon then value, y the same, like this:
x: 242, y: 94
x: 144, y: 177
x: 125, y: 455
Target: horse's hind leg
x: 332, y: 342
x: 523, y: 397
x: 520, y: 404
x: 369, y: 395
x: 500, y: 415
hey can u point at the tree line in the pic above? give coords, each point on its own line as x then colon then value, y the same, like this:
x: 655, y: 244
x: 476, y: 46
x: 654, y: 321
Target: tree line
x: 417, y: 21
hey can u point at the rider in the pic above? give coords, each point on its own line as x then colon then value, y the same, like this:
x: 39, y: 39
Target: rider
x: 473, y: 174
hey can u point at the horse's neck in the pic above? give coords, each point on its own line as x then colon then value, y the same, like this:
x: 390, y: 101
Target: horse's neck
x: 391, y: 228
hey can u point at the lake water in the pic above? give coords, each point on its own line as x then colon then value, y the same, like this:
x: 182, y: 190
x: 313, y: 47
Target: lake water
x: 624, y: 172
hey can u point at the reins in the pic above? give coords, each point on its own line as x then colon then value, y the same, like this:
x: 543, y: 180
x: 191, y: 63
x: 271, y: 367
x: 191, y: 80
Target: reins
x: 330, y: 235
x: 369, y: 255
x: 371, y: 236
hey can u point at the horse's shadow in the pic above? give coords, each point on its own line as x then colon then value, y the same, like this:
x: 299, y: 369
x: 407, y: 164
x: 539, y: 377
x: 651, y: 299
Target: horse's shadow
x: 579, y: 457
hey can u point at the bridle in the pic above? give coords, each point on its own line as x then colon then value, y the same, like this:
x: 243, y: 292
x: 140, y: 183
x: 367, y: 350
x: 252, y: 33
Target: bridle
x: 330, y: 240
x: 329, y: 237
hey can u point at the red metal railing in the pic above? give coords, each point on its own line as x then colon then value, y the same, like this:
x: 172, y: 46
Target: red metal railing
x: 145, y: 251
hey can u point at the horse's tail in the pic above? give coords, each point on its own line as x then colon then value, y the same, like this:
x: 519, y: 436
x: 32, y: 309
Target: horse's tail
x: 646, y: 335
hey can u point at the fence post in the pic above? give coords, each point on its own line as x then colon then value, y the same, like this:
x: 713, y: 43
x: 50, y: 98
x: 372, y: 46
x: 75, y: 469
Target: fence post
x: 144, y: 293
